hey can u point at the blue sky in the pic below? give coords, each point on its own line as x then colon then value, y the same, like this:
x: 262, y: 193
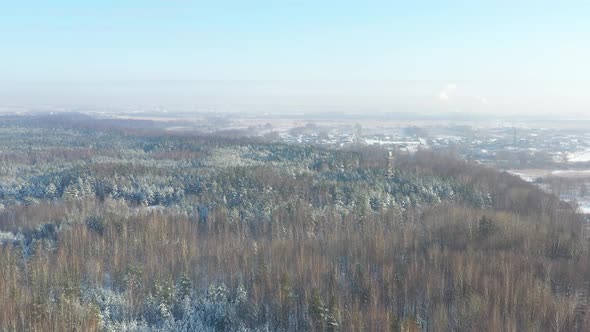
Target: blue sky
x: 505, y: 56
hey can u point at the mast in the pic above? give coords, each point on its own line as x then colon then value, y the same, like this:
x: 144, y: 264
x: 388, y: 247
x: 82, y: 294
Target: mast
x: 390, y: 170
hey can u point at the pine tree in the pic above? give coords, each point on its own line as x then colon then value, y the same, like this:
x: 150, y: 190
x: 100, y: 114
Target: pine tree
x: 184, y: 286
x: 333, y: 318
x: 317, y: 311
x: 71, y: 193
x: 50, y: 190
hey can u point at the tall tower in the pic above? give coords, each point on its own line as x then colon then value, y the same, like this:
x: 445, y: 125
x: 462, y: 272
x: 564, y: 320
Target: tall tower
x: 390, y: 159
x: 358, y: 134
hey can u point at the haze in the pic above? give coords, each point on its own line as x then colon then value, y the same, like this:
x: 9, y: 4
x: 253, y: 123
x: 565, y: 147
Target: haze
x: 381, y: 56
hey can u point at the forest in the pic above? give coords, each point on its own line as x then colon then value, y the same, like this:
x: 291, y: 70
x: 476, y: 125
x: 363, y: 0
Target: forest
x: 121, y: 225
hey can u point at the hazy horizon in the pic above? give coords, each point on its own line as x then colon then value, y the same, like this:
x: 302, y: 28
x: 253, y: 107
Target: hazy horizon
x: 501, y: 58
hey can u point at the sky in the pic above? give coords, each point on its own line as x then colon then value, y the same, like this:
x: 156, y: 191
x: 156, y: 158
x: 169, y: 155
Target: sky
x: 529, y: 57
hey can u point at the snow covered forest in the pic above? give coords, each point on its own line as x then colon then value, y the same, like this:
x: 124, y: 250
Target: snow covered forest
x: 118, y: 225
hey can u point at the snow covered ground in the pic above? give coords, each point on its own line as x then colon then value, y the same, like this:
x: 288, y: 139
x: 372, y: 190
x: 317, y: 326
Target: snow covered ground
x: 579, y: 157
x: 572, y: 173
x: 371, y: 141
x: 526, y: 175
x: 531, y: 175
x: 584, y: 206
